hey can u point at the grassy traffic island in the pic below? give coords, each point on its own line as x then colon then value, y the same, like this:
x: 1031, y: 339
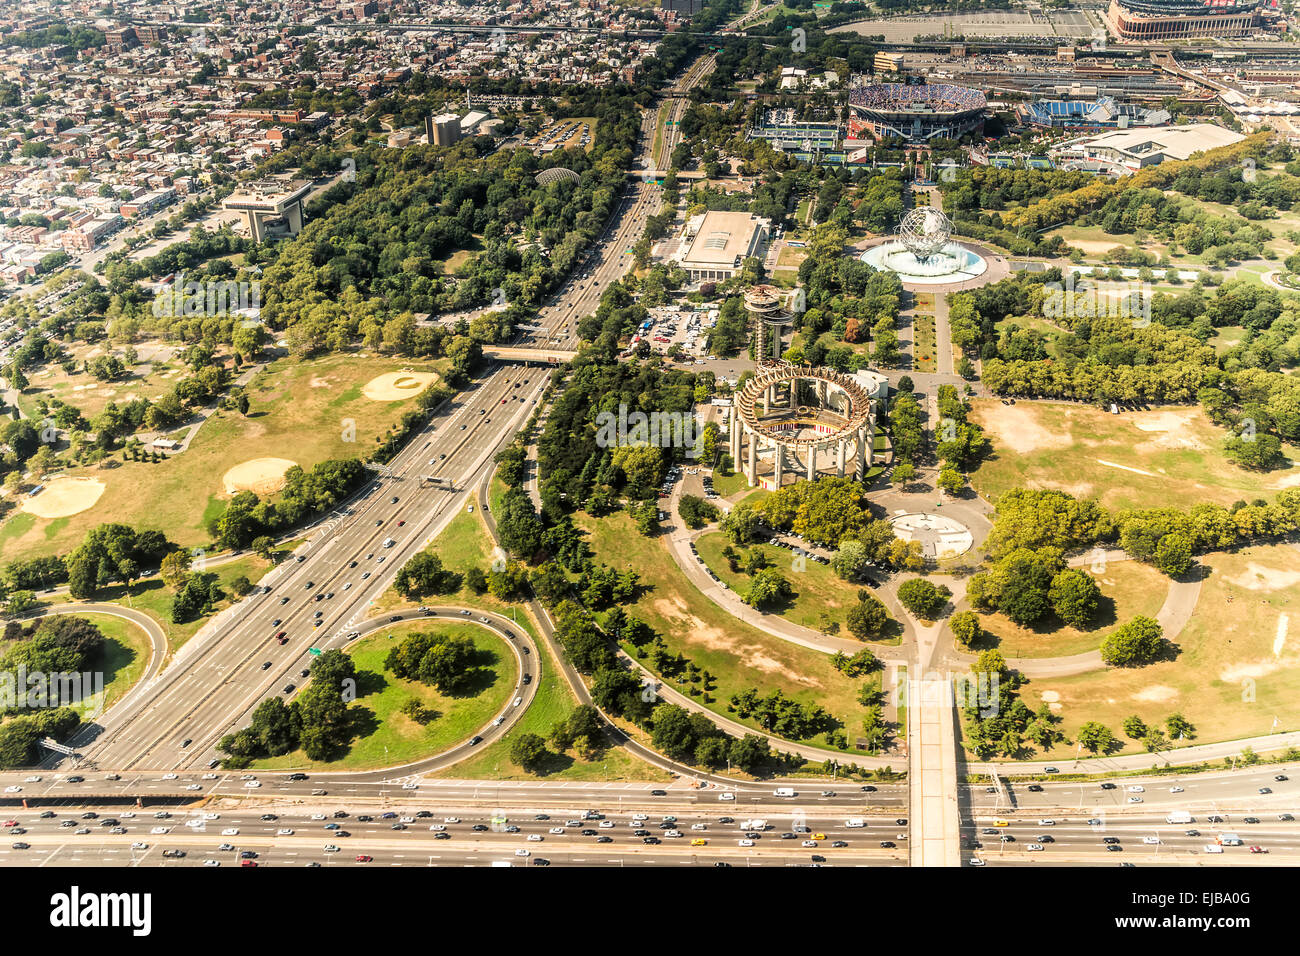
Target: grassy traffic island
x: 110, y: 653
x: 396, y: 720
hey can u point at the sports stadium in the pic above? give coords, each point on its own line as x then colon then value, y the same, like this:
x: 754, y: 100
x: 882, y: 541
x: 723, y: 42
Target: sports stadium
x: 1102, y: 113
x: 1178, y: 19
x: 914, y: 113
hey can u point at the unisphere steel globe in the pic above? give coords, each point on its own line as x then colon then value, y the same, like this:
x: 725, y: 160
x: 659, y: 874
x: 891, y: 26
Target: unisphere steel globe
x: 924, y: 231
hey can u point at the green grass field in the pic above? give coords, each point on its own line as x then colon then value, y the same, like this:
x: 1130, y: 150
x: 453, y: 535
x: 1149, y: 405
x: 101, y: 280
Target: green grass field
x: 307, y: 411
x: 388, y: 737
x: 553, y: 702
x: 818, y: 588
x: 738, y: 655
x: 1237, y: 673
x: 1127, y: 589
x: 1176, y: 451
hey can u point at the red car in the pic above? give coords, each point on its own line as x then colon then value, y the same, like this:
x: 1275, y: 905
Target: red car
x: 282, y: 640
x: 400, y: 523
x: 1258, y: 849
x: 248, y: 863
x: 11, y: 823
x: 363, y: 858
x: 281, y: 634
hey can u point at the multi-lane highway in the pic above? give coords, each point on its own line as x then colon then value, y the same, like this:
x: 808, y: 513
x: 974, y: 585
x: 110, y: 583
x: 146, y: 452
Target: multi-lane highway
x: 325, y: 590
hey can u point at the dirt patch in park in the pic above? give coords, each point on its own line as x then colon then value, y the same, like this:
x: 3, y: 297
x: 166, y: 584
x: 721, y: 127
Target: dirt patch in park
x: 394, y: 386
x: 715, y: 639
x: 62, y: 497
x: 1256, y: 577
x: 264, y: 476
x: 1019, y: 428
x: 1288, y: 480
x: 317, y: 382
x: 1173, y: 430
x: 1092, y: 247
x: 1157, y: 694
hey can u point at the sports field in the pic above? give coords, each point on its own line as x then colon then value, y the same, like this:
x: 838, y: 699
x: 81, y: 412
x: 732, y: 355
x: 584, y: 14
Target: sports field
x: 303, y: 411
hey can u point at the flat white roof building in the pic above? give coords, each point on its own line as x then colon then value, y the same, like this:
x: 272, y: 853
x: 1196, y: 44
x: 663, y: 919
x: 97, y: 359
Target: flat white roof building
x: 1135, y: 148
x: 716, y: 244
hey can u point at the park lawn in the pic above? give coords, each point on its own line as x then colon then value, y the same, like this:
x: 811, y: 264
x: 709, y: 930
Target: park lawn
x: 389, y: 737
x: 1062, y: 446
x: 1226, y: 337
x: 738, y: 655
x: 923, y: 344
x: 82, y: 390
x: 818, y: 587
x: 728, y: 485
x: 1233, y: 677
x: 553, y: 702
x: 308, y: 411
x: 1128, y: 588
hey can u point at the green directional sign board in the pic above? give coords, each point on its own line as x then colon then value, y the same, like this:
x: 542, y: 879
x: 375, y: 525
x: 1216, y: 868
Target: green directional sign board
x: 314, y: 651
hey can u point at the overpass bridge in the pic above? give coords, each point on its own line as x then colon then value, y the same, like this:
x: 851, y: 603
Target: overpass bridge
x: 527, y: 354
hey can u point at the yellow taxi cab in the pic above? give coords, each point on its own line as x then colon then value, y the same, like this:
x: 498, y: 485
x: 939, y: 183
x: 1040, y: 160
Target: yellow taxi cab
x: 819, y: 836
x: 1001, y: 823
x: 699, y: 843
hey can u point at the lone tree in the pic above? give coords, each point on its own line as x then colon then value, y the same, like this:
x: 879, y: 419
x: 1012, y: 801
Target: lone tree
x: 923, y: 598
x: 1138, y: 642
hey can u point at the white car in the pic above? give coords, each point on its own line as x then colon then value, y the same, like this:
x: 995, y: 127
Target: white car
x: 253, y: 784
x: 451, y: 819
x: 410, y: 785
x: 33, y: 779
x: 284, y: 831
x: 206, y: 816
x: 727, y: 796
x: 1047, y: 823
x: 809, y: 842
x: 1137, y: 789
x: 699, y: 826
x: 535, y: 838
x: 169, y: 776
x: 438, y: 828
x: 1213, y: 848
x: 137, y: 845
x: 605, y: 824
x: 211, y: 862
x: 521, y: 852
x: 1033, y: 847
x: 517, y: 702
x: 975, y: 861
x: 1151, y: 841
x: 406, y: 819
x: 12, y: 789
x: 1175, y: 789
x: 744, y: 843
x: 331, y: 848
x: 194, y: 786
x: 557, y: 829
x: 318, y: 816
x: 638, y: 817
x: 161, y: 830
x: 230, y: 831
x: 1134, y: 799
x: 127, y: 816
x: 210, y: 776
